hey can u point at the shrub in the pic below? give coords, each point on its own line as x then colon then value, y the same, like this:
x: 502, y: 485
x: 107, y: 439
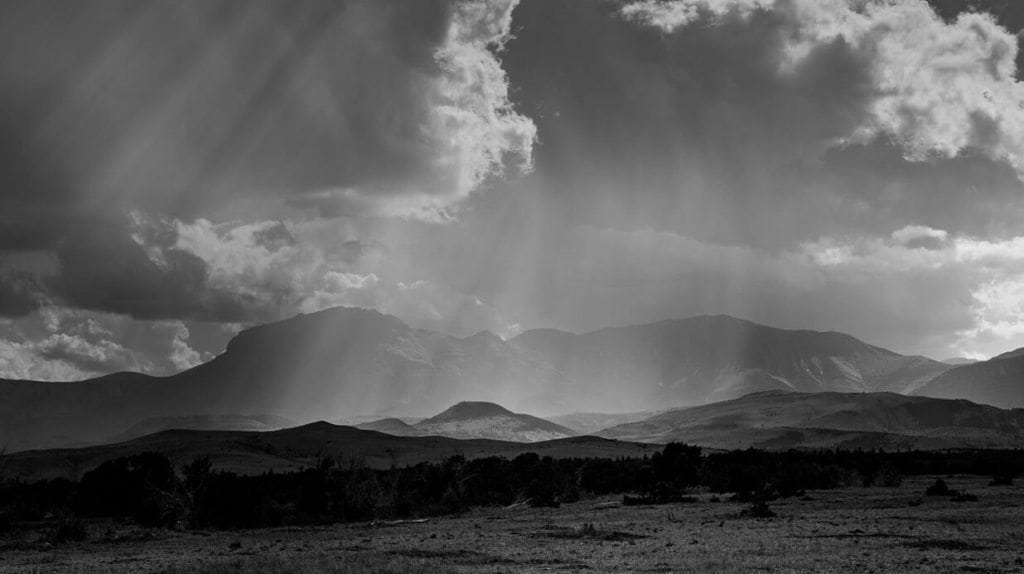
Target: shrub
x: 888, y: 477
x: 141, y: 486
x: 758, y: 509
x: 939, y: 488
x: 68, y: 529
x: 1002, y: 479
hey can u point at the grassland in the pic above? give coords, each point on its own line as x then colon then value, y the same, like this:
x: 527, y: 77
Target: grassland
x: 857, y: 530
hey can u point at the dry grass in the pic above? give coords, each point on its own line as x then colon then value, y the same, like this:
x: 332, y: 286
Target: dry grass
x: 857, y: 530
x: 316, y: 563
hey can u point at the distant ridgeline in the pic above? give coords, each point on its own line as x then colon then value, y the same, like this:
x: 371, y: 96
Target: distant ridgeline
x: 344, y: 363
x: 148, y: 489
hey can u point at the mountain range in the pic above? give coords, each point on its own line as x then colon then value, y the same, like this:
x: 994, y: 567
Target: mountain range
x: 347, y: 362
x: 771, y: 420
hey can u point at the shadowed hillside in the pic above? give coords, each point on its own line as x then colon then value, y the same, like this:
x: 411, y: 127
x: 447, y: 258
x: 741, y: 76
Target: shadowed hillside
x: 778, y: 420
x: 297, y: 448
x: 998, y: 381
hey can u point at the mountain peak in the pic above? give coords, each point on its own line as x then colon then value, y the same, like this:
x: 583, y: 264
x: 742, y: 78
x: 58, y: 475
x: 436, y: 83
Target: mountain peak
x: 484, y: 337
x: 469, y: 410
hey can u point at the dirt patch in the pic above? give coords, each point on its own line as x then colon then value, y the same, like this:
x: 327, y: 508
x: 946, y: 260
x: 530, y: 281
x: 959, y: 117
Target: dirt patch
x: 955, y: 545
x: 588, y: 531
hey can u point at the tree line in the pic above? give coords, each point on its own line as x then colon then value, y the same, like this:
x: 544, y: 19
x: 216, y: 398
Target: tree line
x: 148, y: 489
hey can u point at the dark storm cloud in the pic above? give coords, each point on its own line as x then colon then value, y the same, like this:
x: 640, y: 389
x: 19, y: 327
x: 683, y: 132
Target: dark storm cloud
x: 187, y: 109
x: 16, y: 300
x: 181, y: 107
x: 107, y: 270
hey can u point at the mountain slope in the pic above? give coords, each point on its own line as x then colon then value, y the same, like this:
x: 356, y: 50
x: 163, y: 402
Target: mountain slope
x: 998, y: 381
x: 391, y: 426
x: 712, y: 358
x: 476, y: 420
x: 849, y: 420
x: 345, y: 362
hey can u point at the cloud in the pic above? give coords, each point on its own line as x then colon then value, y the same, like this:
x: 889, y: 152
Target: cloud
x: 397, y: 108
x: 125, y: 116
x: 920, y: 236
x: 979, y: 281
x: 310, y: 266
x: 188, y: 167
x: 668, y: 16
x: 61, y: 344
x: 939, y: 89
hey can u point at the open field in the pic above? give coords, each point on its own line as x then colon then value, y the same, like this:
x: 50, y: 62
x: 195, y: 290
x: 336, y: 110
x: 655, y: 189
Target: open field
x: 848, y: 530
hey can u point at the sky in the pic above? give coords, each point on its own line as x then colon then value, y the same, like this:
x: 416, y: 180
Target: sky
x: 173, y: 172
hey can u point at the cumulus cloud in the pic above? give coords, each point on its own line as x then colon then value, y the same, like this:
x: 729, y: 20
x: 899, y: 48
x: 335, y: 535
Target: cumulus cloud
x: 311, y: 266
x: 939, y: 89
x: 61, y: 344
x: 472, y: 124
x: 981, y: 281
x: 671, y: 15
x: 919, y: 235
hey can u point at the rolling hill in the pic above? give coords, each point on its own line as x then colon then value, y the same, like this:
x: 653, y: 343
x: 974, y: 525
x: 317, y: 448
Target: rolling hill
x: 249, y: 452
x: 347, y: 362
x: 590, y: 423
x: 204, y: 422
x: 778, y: 420
x: 471, y: 420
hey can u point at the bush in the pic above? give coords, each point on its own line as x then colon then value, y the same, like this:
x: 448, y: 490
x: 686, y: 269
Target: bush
x: 888, y: 477
x: 758, y: 509
x: 68, y: 529
x: 939, y: 488
x: 1002, y: 479
x: 141, y: 486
